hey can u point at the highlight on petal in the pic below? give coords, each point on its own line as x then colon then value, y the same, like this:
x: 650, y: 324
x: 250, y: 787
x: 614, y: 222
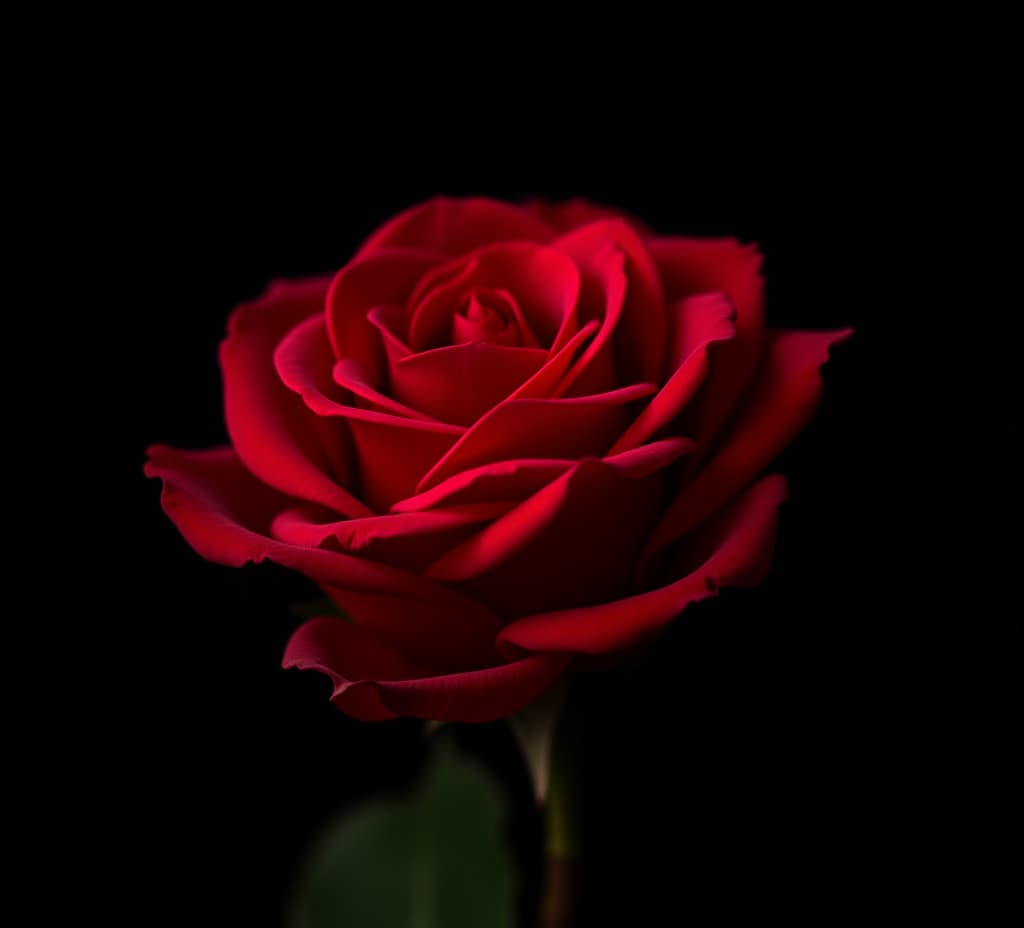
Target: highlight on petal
x: 304, y: 367
x: 372, y: 682
x: 411, y: 541
x: 351, y: 376
x: 738, y: 543
x: 781, y: 400
x: 279, y: 439
x: 602, y: 299
x: 514, y: 480
x: 394, y: 455
x: 225, y: 514
x: 450, y: 226
x: 500, y: 480
x: 646, y: 459
x: 572, y: 543
x: 544, y: 383
x: 516, y: 529
x: 543, y: 428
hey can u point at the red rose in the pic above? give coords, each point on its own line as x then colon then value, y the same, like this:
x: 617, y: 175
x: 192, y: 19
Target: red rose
x: 499, y: 439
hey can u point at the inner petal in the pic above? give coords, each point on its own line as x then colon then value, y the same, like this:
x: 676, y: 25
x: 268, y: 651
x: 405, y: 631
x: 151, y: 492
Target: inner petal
x: 487, y: 316
x: 516, y: 285
x: 460, y: 383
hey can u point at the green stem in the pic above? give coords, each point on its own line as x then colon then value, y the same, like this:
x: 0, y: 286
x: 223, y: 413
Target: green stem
x: 562, y: 839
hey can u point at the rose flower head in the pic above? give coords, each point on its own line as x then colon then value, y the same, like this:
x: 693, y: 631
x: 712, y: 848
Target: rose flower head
x: 502, y: 439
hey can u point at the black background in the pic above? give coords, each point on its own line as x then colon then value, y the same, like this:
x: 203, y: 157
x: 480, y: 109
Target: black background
x: 741, y: 764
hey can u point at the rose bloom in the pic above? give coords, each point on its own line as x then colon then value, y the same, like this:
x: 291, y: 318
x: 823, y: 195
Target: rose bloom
x: 503, y: 440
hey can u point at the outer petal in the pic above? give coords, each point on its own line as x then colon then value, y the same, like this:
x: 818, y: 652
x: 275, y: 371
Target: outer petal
x: 781, y: 401
x: 372, y: 683
x: 411, y: 541
x: 449, y: 226
x: 350, y: 655
x: 739, y: 543
x: 280, y: 441
x: 699, y: 322
x: 225, y: 514
x: 690, y: 266
x: 572, y: 543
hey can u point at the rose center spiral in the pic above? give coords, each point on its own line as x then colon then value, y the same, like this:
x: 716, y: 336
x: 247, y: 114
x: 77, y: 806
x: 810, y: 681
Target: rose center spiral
x: 487, y: 316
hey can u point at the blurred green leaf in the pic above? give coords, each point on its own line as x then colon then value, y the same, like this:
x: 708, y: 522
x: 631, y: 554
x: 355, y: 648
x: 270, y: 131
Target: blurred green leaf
x: 436, y: 859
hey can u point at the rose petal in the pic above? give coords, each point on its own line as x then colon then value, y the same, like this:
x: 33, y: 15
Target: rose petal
x: 371, y: 683
x: 389, y: 321
x: 225, y: 514
x: 385, y: 475
x: 209, y: 494
x: 780, y: 402
x: 644, y: 460
x: 544, y: 282
x: 690, y: 266
x: 540, y: 428
x: 492, y: 316
x: 450, y: 226
x: 280, y: 441
x: 411, y: 541
x: 699, y: 322
x: 393, y: 457
x: 639, y: 332
x: 572, y: 543
x: 543, y: 384
x: 453, y: 272
x: 604, y: 295
x: 459, y: 383
x: 502, y: 480
x: 520, y: 527
x: 350, y: 375
x: 379, y: 280
x: 514, y: 480
x: 350, y: 656
x: 305, y: 368
x: 743, y: 537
